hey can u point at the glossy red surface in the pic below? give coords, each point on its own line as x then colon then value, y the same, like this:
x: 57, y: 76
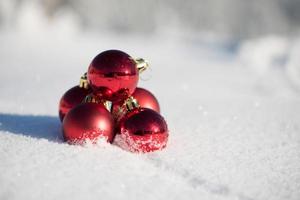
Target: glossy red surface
x: 88, y: 121
x: 143, y: 130
x: 70, y: 99
x: 113, y: 75
x: 146, y: 99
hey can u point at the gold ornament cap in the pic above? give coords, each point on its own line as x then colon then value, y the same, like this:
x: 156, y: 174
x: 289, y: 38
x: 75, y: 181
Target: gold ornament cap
x: 141, y: 64
x: 83, y: 83
x: 129, y: 105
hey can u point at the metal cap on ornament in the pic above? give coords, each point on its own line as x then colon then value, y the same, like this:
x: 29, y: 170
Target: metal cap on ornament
x: 141, y: 64
x: 83, y: 83
x: 129, y: 105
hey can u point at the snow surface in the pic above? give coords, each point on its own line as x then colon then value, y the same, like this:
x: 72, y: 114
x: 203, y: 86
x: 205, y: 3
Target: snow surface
x: 233, y: 110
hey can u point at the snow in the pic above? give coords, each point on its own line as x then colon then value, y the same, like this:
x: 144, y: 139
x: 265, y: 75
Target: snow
x: 233, y: 110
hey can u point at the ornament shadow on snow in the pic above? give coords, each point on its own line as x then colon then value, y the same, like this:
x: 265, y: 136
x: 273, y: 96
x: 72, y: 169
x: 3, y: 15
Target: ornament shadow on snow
x: 40, y: 127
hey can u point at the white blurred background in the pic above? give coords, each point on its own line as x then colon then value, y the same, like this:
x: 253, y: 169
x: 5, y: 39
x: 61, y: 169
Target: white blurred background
x: 234, y: 18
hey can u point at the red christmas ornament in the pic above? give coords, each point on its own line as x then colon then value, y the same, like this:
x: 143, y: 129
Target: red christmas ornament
x: 142, y: 130
x: 113, y: 75
x: 70, y: 99
x: 146, y: 99
x: 88, y: 121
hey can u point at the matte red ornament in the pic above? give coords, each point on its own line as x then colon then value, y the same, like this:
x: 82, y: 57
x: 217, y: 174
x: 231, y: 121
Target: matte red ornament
x: 88, y: 121
x: 142, y: 130
x: 146, y: 99
x: 113, y: 75
x: 70, y: 99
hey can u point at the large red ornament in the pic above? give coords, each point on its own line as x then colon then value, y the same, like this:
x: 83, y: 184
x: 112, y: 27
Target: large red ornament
x: 88, y: 121
x: 113, y: 75
x: 146, y: 99
x: 142, y: 130
x: 70, y: 99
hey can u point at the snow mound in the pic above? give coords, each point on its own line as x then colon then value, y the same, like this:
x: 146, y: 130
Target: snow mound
x: 234, y: 130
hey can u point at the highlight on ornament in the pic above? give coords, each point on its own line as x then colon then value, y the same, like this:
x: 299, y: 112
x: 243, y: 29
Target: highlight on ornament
x: 107, y: 105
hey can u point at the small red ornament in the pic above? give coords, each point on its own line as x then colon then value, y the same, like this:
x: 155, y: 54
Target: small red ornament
x: 146, y: 99
x: 142, y: 130
x: 88, y: 121
x: 70, y: 99
x: 113, y: 75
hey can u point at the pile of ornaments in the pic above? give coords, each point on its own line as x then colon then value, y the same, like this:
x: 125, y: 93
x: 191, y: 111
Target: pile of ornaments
x: 108, y: 105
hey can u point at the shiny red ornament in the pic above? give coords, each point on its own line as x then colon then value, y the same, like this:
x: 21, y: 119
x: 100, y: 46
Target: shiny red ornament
x: 70, y: 99
x: 113, y: 75
x: 88, y: 121
x: 142, y: 130
x: 146, y: 99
